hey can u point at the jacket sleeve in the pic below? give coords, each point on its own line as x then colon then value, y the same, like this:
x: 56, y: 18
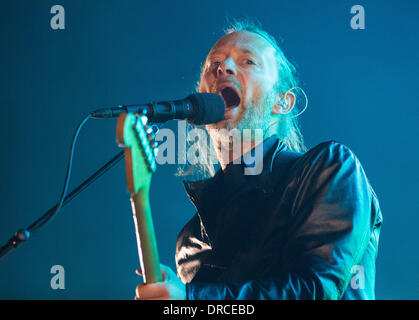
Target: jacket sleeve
x: 330, y: 224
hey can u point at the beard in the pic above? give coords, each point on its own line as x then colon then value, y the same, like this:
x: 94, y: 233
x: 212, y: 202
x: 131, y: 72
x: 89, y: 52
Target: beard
x: 255, y: 115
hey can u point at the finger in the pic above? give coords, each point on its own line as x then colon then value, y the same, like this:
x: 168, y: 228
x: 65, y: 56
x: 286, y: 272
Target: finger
x: 139, y: 272
x: 160, y: 295
x: 137, y: 298
x: 159, y: 298
x: 157, y: 291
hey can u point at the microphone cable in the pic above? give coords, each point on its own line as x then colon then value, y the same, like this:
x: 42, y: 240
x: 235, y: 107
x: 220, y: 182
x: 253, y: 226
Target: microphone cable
x: 49, y: 215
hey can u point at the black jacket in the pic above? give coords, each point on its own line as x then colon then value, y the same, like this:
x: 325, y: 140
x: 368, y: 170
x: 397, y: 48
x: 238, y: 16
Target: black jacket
x: 307, y: 227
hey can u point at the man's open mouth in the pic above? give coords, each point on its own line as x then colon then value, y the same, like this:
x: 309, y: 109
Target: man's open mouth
x: 230, y: 96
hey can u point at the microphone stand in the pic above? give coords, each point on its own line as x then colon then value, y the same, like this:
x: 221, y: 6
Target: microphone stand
x: 23, y: 234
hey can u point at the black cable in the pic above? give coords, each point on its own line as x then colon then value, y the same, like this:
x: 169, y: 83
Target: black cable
x: 23, y: 234
x: 44, y: 219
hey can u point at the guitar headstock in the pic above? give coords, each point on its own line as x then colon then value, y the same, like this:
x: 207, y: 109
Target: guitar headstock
x: 134, y: 134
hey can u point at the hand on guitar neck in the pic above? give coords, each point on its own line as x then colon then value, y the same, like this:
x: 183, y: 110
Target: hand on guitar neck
x: 133, y: 134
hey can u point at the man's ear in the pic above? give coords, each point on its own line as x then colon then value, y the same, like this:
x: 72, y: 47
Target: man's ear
x: 283, y: 105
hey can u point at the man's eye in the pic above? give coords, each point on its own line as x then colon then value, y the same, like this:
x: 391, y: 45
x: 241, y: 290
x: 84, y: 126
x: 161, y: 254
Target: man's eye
x: 249, y: 61
x: 216, y: 63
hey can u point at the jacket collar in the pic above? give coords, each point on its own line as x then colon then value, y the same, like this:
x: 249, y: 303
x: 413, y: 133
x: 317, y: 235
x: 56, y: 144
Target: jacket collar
x: 209, y: 193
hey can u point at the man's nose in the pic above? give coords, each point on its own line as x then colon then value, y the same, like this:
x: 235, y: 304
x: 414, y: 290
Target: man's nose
x: 227, y: 67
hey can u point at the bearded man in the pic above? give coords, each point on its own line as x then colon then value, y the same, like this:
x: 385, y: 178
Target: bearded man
x: 305, y: 227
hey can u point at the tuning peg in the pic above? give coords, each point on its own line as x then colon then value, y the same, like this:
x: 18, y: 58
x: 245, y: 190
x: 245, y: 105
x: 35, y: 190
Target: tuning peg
x: 155, y: 145
x: 152, y: 131
x: 144, y: 120
x: 149, y: 134
x: 155, y: 128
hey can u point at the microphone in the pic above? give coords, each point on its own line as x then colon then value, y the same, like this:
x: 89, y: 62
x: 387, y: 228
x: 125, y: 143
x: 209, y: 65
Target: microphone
x: 198, y: 109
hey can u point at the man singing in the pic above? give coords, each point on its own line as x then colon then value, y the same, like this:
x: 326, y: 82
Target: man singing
x: 305, y: 227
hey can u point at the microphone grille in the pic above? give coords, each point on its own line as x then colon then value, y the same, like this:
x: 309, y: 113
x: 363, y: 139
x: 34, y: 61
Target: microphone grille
x: 209, y: 108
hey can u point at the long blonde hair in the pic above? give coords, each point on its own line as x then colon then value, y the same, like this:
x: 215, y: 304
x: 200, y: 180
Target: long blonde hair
x: 287, y: 130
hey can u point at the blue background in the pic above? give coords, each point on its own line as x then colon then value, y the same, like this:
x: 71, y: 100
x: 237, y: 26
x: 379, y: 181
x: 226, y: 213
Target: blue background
x: 362, y: 86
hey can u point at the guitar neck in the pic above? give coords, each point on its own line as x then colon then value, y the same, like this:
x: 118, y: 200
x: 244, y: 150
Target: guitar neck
x: 146, y: 239
x: 139, y: 164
